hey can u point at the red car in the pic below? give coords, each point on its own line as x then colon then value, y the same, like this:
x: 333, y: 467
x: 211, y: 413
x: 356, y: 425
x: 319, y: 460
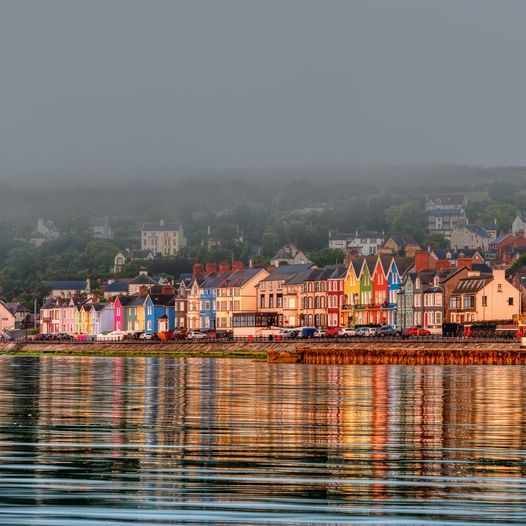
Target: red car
x: 332, y: 332
x: 417, y: 330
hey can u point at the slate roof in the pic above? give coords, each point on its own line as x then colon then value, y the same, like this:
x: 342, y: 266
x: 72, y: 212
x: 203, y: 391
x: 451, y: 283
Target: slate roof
x: 403, y: 264
x: 143, y: 279
x: 239, y: 278
x: 136, y: 301
x: 98, y: 221
x: 447, y: 199
x: 478, y: 230
x: 161, y: 299
x: 67, y: 285
x: 286, y: 271
x: 501, y: 238
x: 100, y: 306
x: 157, y: 227
x: 445, y: 212
x: 117, y: 287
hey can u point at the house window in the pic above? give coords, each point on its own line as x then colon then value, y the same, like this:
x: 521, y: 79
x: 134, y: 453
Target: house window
x: 510, y: 301
x: 499, y: 287
x: 271, y: 302
x: 484, y: 301
x: 469, y: 302
x: 262, y: 301
x: 454, y: 302
x: 438, y: 318
x: 207, y: 305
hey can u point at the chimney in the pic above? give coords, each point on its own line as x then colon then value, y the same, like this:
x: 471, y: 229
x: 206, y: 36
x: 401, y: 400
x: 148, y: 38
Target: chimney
x: 211, y: 268
x: 198, y: 269
x: 224, y: 266
x: 167, y: 290
x: 161, y: 222
x: 424, y: 261
x: 237, y: 265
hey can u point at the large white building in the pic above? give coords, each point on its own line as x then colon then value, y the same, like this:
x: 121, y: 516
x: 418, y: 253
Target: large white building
x: 165, y: 239
x: 363, y: 243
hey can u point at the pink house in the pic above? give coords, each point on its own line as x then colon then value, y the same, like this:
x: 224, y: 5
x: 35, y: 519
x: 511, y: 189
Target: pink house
x: 119, y: 321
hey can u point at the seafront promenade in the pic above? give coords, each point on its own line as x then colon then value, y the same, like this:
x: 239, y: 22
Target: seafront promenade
x: 396, y: 351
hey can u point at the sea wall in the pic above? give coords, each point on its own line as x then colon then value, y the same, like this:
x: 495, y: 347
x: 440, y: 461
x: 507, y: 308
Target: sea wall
x: 311, y: 352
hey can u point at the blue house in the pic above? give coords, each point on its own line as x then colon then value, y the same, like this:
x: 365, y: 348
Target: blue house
x: 397, y: 270
x: 208, y: 299
x: 159, y: 313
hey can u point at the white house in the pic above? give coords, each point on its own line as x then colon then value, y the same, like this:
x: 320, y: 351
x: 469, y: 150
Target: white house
x: 289, y: 255
x: 519, y: 224
x: 165, y: 239
x: 45, y: 230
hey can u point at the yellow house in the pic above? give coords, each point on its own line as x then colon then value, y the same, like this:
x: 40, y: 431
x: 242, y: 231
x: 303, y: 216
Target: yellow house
x: 351, y: 292
x: 237, y: 294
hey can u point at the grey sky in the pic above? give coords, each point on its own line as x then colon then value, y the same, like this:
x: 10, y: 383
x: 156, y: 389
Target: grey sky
x: 157, y: 87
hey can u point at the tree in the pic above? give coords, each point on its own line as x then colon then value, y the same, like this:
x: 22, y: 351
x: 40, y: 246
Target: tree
x: 270, y: 242
x: 406, y: 219
x: 327, y: 256
x: 503, y: 213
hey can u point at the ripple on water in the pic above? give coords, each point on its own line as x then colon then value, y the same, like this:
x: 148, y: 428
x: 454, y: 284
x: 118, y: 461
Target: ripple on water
x: 89, y: 441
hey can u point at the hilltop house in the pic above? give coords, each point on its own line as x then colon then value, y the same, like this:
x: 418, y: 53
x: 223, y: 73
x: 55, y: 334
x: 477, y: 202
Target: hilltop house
x: 165, y: 239
x: 100, y: 228
x: 129, y: 255
x: 45, y: 230
x: 444, y: 212
x: 360, y: 243
x: 289, y: 255
x: 470, y: 236
x: 519, y: 224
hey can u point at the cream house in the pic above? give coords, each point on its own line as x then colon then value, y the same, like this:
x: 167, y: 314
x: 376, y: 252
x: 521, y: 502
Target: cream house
x: 237, y: 294
x: 165, y: 239
x: 479, y: 298
x: 7, y: 318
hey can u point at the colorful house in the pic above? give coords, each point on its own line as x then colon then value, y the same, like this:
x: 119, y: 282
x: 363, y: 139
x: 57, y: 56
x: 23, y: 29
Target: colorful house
x: 160, y: 313
x: 335, y: 295
x: 351, y: 293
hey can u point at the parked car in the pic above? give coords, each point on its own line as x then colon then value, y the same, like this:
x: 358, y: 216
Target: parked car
x: 347, y: 332
x: 148, y: 336
x: 388, y: 330
x: 178, y: 334
x: 417, y: 330
x: 63, y: 337
x: 366, y: 331
x: 332, y: 332
x: 111, y: 336
x: 289, y: 333
x: 319, y: 333
x: 308, y: 332
x: 196, y: 335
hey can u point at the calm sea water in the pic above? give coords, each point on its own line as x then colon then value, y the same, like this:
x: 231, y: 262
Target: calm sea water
x: 155, y: 441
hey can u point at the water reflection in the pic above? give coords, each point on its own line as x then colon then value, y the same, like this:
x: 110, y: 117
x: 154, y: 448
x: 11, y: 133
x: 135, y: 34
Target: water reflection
x: 161, y: 441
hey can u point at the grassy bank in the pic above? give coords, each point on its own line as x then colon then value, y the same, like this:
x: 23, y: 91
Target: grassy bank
x: 141, y: 353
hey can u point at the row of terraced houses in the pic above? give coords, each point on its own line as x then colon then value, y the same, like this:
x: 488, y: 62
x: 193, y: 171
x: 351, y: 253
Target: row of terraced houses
x: 429, y: 289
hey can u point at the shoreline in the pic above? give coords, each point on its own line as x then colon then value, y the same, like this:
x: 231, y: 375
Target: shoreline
x: 402, y: 352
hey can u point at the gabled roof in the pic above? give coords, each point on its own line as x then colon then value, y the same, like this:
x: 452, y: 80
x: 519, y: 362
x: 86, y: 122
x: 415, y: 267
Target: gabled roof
x: 239, y: 278
x: 403, y: 264
x: 161, y: 299
x: 477, y: 230
x: 136, y: 301
x: 370, y: 262
x: 286, y: 271
x: 143, y: 279
x: 98, y: 221
x: 67, y: 285
x: 502, y: 238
